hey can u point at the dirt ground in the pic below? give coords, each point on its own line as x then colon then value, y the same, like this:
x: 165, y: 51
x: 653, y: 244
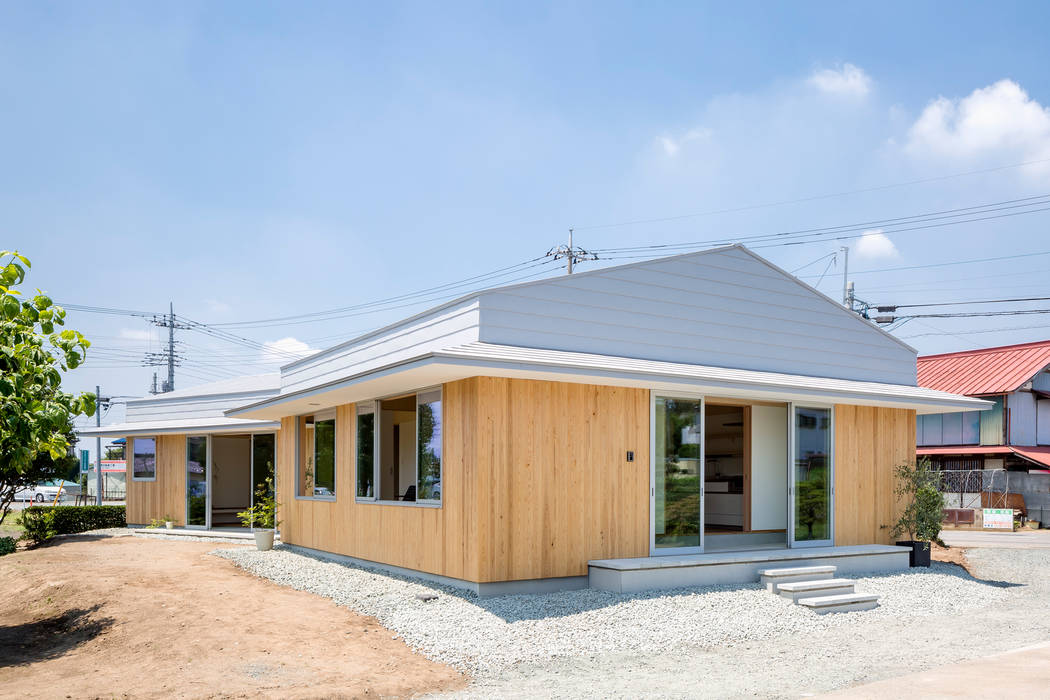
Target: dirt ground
x: 951, y: 555
x: 131, y: 617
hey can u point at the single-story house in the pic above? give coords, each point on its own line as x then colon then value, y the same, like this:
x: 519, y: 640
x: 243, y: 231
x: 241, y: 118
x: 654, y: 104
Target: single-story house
x: 517, y: 438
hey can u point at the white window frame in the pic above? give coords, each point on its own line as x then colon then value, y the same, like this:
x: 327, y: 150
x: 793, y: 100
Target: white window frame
x: 830, y: 542
x: 323, y: 414
x: 376, y: 452
x: 155, y: 446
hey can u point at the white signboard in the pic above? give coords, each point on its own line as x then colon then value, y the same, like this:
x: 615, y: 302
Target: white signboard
x: 999, y: 518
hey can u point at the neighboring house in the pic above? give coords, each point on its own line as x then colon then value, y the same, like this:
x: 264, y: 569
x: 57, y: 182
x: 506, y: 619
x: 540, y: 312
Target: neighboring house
x: 1013, y: 435
x: 701, y: 403
x: 185, y: 459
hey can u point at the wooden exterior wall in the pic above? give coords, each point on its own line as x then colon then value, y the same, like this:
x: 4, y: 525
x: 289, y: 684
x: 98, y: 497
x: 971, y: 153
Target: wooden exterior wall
x: 149, y: 500
x: 869, y: 442
x: 536, y: 482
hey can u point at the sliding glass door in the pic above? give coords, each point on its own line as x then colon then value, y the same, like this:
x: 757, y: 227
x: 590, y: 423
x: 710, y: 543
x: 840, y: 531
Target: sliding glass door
x: 811, y: 484
x: 676, y: 493
x: 198, y: 493
x: 264, y: 451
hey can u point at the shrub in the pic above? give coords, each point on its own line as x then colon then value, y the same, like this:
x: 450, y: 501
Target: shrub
x: 41, y: 523
x: 7, y: 545
x: 923, y: 503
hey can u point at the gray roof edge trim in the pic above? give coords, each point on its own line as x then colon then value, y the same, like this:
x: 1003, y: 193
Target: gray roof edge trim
x: 824, y: 296
x: 944, y: 399
x: 940, y: 399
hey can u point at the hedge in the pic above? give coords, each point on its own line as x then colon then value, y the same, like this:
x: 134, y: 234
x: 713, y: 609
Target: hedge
x: 41, y: 523
x: 7, y: 545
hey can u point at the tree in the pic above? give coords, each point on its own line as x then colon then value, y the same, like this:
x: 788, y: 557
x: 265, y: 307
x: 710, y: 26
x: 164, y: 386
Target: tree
x: 35, y: 414
x: 44, y: 468
x: 923, y: 512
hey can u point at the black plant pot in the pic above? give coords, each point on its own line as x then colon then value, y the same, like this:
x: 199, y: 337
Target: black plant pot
x: 919, y: 554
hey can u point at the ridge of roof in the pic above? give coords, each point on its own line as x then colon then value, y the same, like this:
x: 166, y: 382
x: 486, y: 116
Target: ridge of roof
x: 983, y: 351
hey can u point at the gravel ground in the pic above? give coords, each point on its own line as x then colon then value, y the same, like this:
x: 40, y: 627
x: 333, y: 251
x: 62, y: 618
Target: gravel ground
x: 593, y: 643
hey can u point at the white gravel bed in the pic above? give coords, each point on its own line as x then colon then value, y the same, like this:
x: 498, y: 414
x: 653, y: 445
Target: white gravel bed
x: 488, y: 635
x: 190, y: 538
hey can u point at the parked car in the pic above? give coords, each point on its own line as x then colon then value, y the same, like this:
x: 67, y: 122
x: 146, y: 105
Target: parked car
x: 45, y: 492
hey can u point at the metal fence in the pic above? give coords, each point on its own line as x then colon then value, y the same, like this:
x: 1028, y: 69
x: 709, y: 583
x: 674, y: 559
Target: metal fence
x: 975, y: 488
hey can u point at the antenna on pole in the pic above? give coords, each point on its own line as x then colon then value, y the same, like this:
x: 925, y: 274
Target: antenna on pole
x: 572, y: 254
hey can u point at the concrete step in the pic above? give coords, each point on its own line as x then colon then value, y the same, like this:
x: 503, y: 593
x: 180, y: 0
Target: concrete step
x: 810, y: 589
x: 840, y: 603
x: 773, y: 577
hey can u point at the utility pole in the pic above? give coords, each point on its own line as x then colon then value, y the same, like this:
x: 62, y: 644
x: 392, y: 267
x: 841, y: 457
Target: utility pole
x: 845, y: 273
x: 98, y: 446
x: 169, y: 357
x: 572, y: 254
x: 171, y: 346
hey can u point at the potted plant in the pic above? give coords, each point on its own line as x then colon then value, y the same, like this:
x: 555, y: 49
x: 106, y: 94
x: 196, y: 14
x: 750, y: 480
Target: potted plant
x: 169, y: 522
x: 262, y: 516
x: 916, y: 487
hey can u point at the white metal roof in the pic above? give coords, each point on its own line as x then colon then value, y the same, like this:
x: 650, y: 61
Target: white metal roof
x: 477, y: 358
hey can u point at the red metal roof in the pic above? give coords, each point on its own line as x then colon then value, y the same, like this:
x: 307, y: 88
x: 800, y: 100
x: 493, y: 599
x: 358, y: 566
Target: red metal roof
x: 1039, y: 455
x: 988, y: 371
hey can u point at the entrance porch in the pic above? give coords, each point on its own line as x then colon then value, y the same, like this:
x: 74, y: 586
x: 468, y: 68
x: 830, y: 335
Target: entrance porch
x: 713, y: 568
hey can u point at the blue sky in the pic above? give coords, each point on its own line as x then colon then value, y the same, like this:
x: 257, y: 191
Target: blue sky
x: 257, y: 160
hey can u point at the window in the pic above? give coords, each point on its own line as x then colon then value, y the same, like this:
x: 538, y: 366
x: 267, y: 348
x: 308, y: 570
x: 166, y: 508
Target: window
x: 366, y: 430
x: 949, y: 428
x: 316, y: 455
x: 399, y: 448
x: 144, y: 464
x: 428, y: 459
x: 992, y: 422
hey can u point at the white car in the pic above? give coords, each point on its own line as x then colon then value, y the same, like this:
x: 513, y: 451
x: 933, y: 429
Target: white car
x: 46, y: 492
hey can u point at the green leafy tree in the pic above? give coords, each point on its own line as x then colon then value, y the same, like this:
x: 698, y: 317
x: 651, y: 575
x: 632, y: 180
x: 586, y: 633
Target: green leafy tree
x: 923, y: 511
x: 35, y: 414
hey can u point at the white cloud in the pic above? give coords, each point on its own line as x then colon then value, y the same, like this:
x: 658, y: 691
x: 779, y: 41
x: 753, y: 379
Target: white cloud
x: 216, y: 306
x: 285, y: 350
x: 672, y: 145
x: 999, y: 121
x: 848, y: 80
x: 873, y: 245
x: 136, y: 333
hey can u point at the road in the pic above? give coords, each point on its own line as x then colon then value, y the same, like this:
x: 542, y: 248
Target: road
x: 1022, y: 539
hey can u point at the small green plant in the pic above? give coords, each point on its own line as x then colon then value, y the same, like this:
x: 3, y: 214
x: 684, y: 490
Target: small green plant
x: 154, y: 523
x: 7, y: 545
x: 923, y: 511
x: 38, y: 524
x: 264, y: 513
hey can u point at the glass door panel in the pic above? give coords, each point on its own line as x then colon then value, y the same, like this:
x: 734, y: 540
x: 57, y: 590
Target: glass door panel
x: 197, y: 509
x: 812, y: 477
x: 678, y: 431
x: 263, y: 456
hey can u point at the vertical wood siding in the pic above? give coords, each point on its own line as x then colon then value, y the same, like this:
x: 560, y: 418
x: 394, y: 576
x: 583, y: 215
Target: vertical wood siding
x: 555, y: 488
x: 869, y: 442
x: 149, y: 500
x: 535, y: 483
x: 435, y: 540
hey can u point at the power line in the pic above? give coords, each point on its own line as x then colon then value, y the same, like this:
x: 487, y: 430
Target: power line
x: 946, y: 264
x: 814, y: 198
x: 1030, y: 205
x: 962, y: 303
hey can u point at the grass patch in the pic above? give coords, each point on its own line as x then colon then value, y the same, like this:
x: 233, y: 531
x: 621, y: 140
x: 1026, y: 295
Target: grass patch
x: 10, y: 527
